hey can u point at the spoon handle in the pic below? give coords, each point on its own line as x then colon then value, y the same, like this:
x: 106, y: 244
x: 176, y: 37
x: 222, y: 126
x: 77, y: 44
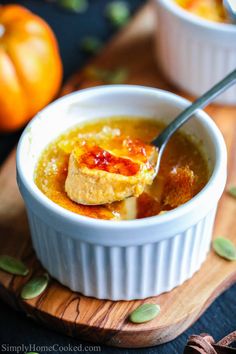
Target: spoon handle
x: 230, y: 7
x: 161, y: 140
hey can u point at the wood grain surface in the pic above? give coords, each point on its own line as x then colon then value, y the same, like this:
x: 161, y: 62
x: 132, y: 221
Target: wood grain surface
x: 106, y: 321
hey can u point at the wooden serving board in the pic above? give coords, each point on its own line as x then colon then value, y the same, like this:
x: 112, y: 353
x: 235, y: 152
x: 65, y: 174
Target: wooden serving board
x: 106, y: 321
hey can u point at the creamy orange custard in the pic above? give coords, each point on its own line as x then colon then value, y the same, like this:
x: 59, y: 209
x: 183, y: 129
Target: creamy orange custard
x: 111, y: 171
x: 212, y: 10
x: 183, y: 170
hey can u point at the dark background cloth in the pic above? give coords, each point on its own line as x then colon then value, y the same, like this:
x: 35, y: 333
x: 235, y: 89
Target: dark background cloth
x: 15, y: 328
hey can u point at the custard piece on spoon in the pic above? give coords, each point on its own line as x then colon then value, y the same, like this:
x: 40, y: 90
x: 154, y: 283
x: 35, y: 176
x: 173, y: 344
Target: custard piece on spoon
x: 101, y: 174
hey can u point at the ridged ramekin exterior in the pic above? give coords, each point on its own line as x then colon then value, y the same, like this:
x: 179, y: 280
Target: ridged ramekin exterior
x: 116, y: 272
x: 194, y: 54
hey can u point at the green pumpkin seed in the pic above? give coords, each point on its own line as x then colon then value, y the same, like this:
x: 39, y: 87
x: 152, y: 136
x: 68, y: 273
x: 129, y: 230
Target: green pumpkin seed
x: 118, y: 13
x: 78, y: 6
x: 13, y: 265
x: 34, y: 287
x: 232, y: 191
x: 91, y: 45
x: 116, y: 76
x: 225, y: 248
x: 144, y: 313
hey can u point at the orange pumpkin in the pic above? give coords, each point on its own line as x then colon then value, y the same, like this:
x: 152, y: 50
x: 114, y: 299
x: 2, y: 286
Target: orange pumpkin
x: 30, y: 66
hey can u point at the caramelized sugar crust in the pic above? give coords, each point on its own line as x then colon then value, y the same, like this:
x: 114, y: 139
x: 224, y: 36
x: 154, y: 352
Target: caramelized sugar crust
x: 95, y: 157
x: 179, y: 186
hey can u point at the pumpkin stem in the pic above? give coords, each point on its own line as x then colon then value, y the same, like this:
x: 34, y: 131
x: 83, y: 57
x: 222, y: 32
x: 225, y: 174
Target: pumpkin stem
x: 2, y: 30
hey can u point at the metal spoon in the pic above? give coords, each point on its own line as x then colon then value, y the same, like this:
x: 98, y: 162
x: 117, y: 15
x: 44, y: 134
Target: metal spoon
x: 162, y: 139
x: 230, y: 7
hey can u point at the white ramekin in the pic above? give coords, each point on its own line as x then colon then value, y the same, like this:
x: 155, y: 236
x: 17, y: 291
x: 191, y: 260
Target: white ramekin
x: 127, y: 259
x: 194, y: 53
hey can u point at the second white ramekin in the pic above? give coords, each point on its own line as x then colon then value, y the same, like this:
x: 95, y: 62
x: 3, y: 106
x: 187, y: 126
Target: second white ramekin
x: 194, y: 53
x: 120, y: 260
